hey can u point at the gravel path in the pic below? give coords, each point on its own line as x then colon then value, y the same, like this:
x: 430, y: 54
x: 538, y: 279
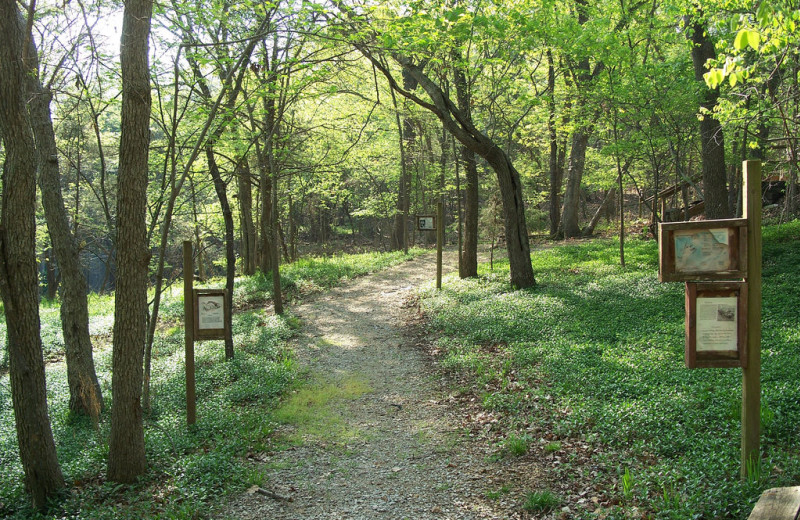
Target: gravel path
x: 393, y: 444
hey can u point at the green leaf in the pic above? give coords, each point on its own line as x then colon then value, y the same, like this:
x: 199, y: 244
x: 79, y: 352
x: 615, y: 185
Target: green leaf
x: 741, y: 40
x: 763, y: 13
x: 754, y: 39
x: 733, y: 78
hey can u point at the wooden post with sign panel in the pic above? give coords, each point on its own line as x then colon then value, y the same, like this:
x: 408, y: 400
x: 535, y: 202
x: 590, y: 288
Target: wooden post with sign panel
x: 206, y: 316
x: 720, y: 262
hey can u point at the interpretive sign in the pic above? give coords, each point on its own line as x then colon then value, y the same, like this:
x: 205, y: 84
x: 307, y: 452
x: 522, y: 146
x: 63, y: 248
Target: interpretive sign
x: 426, y: 223
x: 209, y: 314
x: 702, y: 250
x: 716, y: 324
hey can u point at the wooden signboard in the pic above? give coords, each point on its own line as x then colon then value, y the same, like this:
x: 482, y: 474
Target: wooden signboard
x: 210, y: 314
x: 702, y: 250
x: 426, y: 222
x: 716, y: 325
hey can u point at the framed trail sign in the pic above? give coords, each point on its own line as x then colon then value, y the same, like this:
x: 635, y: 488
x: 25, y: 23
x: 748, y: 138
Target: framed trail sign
x: 426, y: 222
x: 716, y: 325
x: 210, y: 314
x: 702, y: 250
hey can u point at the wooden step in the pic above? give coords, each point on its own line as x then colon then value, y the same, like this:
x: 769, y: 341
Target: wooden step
x: 778, y: 504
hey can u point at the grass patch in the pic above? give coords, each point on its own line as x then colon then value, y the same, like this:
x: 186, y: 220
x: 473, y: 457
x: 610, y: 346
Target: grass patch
x: 541, y: 501
x: 315, y: 410
x: 596, y: 352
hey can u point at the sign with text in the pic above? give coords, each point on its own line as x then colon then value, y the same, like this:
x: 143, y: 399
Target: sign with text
x: 702, y: 250
x: 716, y: 324
x: 426, y: 222
x: 210, y: 313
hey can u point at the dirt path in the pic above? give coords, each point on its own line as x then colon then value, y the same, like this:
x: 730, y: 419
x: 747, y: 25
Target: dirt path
x: 376, y: 436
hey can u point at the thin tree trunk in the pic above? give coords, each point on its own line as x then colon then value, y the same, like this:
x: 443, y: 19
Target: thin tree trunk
x: 607, y: 200
x: 246, y: 225
x: 230, y: 254
x: 85, y: 396
x: 126, y: 455
x: 19, y: 281
x: 556, y: 173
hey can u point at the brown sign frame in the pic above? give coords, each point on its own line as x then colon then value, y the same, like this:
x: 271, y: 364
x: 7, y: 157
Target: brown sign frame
x: 696, y: 356
x: 725, y: 261
x: 214, y: 295
x: 422, y: 219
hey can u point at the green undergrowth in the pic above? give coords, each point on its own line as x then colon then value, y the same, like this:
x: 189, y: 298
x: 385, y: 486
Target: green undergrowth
x: 595, y: 353
x: 190, y: 470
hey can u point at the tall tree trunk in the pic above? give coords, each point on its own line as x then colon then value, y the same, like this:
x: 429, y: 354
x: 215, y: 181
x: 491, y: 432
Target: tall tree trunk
x: 277, y: 296
x: 230, y: 254
x: 570, y: 214
x: 19, y: 281
x: 715, y: 192
x: 85, y: 396
x: 408, y: 136
x: 469, y: 257
x: 556, y: 173
x: 246, y: 225
x: 126, y: 455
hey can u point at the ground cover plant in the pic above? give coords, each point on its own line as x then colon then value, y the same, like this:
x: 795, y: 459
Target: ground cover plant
x: 593, y: 357
x: 189, y: 469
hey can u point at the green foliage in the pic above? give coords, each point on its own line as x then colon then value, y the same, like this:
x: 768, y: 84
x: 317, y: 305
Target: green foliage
x: 541, y: 501
x: 596, y: 352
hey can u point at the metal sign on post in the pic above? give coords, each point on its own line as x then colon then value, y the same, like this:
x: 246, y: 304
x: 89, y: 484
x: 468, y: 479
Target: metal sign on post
x: 720, y: 262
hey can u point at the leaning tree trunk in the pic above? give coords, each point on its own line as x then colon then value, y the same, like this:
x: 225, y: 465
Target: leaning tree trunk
x: 126, y: 454
x: 230, y: 254
x: 85, y: 396
x: 19, y: 281
x: 517, y: 242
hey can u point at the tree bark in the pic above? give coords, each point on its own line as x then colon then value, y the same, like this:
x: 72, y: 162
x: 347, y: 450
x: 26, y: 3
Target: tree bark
x: 469, y: 256
x: 230, y: 254
x: 126, y: 456
x: 246, y: 225
x: 85, y: 396
x: 408, y: 137
x: 715, y: 192
x: 19, y: 281
x: 556, y: 172
x: 570, y: 214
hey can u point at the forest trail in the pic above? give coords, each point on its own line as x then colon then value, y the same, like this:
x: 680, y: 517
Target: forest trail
x: 375, y: 434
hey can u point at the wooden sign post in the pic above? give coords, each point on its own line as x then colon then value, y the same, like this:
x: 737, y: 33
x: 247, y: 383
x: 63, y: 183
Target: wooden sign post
x: 720, y: 262
x: 433, y: 223
x: 205, y: 316
x: 751, y: 373
x: 439, y: 242
x: 188, y: 333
